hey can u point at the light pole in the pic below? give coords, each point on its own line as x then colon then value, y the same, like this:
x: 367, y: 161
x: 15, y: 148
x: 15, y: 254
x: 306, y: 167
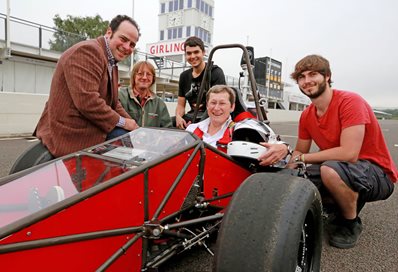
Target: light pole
x: 132, y: 11
x: 8, y: 38
x: 132, y: 54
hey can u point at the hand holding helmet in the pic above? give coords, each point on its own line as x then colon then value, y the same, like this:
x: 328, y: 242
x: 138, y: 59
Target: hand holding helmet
x: 275, y: 153
x: 255, y: 143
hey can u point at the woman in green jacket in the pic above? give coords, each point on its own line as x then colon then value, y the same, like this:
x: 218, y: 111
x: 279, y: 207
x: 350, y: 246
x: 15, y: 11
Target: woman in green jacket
x: 141, y: 103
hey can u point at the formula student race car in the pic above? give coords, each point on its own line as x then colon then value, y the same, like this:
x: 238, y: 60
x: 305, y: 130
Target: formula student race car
x: 135, y: 202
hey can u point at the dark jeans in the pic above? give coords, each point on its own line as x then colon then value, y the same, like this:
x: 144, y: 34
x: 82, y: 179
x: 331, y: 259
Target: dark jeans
x: 116, y: 132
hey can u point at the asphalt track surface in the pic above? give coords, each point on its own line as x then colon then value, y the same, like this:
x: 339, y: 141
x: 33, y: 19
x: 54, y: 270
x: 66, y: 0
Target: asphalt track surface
x: 377, y: 249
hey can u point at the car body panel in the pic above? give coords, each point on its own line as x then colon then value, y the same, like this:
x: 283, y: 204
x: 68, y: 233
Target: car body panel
x: 106, y: 201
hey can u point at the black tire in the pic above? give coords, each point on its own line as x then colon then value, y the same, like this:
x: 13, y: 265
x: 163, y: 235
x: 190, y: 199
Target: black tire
x: 273, y: 223
x: 34, y: 155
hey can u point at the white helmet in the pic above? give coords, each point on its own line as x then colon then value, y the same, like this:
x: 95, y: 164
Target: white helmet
x: 245, y: 149
x: 246, y: 137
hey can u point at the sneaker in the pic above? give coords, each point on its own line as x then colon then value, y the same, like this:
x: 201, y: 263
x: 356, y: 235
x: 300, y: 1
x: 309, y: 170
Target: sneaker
x: 345, y: 235
x: 331, y: 223
x: 329, y: 213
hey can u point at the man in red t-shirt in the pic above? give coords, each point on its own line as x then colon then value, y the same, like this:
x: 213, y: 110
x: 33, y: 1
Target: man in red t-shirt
x: 353, y: 165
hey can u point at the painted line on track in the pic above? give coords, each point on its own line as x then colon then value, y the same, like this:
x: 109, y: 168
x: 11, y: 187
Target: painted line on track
x: 29, y: 139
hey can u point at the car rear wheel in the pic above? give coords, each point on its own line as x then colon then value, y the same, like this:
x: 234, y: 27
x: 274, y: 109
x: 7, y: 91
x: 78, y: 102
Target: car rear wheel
x: 273, y: 223
x: 34, y: 155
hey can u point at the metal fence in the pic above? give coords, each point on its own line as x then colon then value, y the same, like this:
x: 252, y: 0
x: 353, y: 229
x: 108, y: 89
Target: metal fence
x: 32, y: 34
x: 43, y: 37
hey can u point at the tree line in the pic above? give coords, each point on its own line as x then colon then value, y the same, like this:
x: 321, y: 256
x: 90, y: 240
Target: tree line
x: 74, y: 29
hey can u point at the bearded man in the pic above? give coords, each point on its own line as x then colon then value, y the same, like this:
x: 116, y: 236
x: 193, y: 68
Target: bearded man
x: 353, y: 165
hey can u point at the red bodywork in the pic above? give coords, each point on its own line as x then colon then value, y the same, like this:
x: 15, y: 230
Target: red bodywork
x: 122, y: 200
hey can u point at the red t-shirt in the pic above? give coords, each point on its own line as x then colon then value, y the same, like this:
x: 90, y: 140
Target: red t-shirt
x: 348, y: 109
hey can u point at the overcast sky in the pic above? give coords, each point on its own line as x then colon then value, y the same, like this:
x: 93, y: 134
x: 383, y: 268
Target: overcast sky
x: 358, y: 37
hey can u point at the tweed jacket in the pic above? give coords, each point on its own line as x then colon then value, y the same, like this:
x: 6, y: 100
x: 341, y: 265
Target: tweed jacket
x: 83, y: 105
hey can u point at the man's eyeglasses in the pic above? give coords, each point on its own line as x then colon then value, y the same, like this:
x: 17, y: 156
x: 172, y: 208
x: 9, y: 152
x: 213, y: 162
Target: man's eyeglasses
x: 148, y: 75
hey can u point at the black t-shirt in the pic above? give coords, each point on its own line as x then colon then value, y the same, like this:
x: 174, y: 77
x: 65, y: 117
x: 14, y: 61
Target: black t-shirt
x: 189, y: 86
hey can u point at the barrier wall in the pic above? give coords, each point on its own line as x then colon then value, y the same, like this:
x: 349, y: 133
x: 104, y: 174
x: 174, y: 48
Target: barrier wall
x: 19, y: 113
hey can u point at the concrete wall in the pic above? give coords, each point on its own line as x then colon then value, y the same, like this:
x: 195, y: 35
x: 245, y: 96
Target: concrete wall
x: 276, y: 116
x: 26, y: 75
x: 19, y: 113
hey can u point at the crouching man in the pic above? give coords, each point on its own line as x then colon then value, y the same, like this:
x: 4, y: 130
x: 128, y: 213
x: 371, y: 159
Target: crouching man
x: 353, y: 165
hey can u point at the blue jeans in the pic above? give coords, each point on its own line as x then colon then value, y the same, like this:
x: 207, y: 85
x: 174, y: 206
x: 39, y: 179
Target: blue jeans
x: 116, y: 132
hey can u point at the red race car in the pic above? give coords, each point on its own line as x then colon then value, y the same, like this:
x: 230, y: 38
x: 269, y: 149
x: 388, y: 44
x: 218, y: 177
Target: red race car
x: 132, y: 203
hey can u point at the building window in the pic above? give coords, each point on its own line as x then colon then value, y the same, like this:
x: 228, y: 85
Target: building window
x: 174, y: 33
x: 189, y: 3
x: 175, y: 4
x: 162, y: 8
x: 198, y: 4
x: 211, y: 11
x: 170, y: 6
x: 188, y: 31
x: 202, y: 6
x: 206, y: 9
x: 181, y: 4
x: 162, y: 35
x: 203, y: 34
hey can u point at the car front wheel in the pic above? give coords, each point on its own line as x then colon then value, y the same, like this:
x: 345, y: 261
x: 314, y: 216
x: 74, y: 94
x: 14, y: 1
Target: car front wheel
x: 273, y: 223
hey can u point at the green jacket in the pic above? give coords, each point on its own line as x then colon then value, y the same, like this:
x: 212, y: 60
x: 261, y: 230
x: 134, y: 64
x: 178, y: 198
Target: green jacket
x: 153, y: 114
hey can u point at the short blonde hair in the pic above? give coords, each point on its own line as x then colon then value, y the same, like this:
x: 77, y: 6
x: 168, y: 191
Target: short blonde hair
x: 221, y: 89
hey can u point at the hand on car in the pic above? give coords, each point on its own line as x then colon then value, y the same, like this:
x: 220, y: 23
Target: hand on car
x: 275, y: 153
x: 181, y: 123
x: 131, y: 124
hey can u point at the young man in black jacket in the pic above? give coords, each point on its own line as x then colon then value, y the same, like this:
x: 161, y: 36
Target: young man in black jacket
x: 191, y: 79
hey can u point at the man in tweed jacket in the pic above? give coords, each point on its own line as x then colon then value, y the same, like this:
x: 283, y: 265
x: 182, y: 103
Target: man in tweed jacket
x: 83, y: 107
